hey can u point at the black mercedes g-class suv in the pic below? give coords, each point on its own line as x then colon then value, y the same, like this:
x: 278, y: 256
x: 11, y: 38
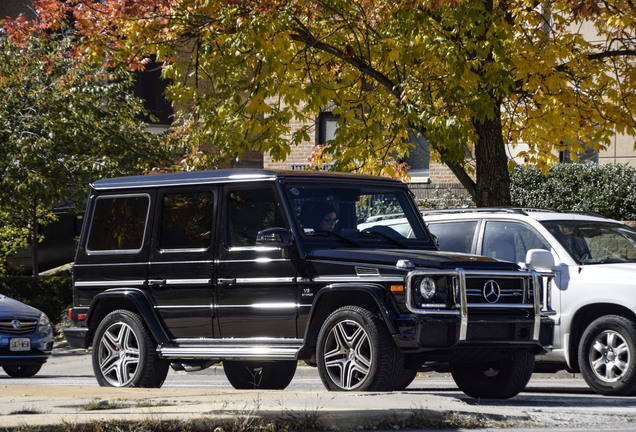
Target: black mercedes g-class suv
x: 260, y: 269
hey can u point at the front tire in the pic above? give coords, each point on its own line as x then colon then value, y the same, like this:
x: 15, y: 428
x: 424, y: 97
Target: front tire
x: 607, y: 356
x: 124, y: 353
x: 497, y: 379
x: 356, y: 352
x: 22, y: 371
x: 248, y: 375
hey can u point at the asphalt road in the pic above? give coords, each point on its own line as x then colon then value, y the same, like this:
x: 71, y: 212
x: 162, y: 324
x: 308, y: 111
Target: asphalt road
x: 66, y: 385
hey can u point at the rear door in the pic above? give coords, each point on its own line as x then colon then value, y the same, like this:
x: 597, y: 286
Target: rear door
x: 181, y: 264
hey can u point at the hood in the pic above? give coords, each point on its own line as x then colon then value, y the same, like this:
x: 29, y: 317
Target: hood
x: 620, y: 273
x: 13, y: 309
x: 420, y: 258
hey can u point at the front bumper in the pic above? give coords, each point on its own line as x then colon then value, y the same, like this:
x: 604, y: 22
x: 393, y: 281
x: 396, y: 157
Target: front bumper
x: 41, y: 345
x: 419, y: 334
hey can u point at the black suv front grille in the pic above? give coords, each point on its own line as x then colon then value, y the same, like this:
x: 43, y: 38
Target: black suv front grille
x: 25, y: 327
x: 484, y: 290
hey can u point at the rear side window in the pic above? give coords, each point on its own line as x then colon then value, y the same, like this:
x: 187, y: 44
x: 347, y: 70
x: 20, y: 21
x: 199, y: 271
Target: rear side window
x: 119, y: 223
x: 186, y: 221
x: 454, y: 236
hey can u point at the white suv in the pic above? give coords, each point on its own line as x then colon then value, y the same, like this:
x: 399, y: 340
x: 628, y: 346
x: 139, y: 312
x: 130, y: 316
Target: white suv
x: 593, y: 293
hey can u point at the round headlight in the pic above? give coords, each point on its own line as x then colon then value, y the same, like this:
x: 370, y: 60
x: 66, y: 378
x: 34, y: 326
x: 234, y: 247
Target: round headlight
x: 427, y: 288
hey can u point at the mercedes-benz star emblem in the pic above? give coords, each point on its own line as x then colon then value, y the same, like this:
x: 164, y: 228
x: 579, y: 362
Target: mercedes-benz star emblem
x: 491, y: 291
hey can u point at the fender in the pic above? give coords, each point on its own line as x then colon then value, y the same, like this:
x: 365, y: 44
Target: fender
x: 140, y: 301
x: 357, y: 294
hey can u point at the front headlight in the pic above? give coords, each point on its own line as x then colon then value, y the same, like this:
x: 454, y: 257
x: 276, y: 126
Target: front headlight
x: 432, y: 291
x: 45, y: 323
x: 428, y: 288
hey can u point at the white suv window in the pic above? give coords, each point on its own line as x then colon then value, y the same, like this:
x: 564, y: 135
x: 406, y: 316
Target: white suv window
x: 510, y: 241
x: 454, y: 236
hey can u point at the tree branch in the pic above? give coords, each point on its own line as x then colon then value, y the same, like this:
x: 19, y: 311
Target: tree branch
x: 303, y: 35
x: 612, y: 53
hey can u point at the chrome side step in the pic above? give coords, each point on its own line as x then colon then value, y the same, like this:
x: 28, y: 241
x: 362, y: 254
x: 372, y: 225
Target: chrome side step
x: 233, y: 350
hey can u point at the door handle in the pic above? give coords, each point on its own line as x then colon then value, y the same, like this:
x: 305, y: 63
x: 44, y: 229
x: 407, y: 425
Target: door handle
x: 157, y: 283
x: 226, y: 281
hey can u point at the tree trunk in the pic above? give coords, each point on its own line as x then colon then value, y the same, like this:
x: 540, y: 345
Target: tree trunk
x: 493, y: 178
x: 35, y: 260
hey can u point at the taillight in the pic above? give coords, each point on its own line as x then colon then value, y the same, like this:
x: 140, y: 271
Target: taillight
x: 80, y: 316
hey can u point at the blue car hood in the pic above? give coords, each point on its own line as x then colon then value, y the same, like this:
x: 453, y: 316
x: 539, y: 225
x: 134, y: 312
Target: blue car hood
x: 13, y: 309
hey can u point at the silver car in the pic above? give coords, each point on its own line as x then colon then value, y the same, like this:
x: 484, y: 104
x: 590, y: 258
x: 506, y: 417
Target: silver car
x: 26, y: 338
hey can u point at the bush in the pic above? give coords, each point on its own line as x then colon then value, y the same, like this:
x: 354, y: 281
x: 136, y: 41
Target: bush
x: 52, y: 295
x: 609, y: 190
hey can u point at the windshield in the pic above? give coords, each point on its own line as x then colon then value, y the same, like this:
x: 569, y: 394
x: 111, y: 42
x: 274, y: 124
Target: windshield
x: 595, y: 242
x: 333, y: 215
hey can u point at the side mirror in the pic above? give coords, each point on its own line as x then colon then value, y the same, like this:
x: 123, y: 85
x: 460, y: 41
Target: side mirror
x: 540, y: 259
x: 274, y: 236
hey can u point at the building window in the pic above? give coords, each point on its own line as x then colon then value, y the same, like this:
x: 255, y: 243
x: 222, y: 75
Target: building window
x: 588, y: 155
x: 418, y: 158
x: 150, y: 87
x: 327, y: 125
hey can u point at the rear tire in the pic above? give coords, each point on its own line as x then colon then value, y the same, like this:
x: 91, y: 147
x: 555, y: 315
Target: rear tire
x: 22, y: 371
x: 124, y: 353
x: 497, y: 379
x: 249, y: 375
x: 355, y: 352
x: 405, y: 379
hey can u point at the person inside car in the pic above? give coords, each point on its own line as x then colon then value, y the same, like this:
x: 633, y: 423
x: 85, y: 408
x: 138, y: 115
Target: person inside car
x: 319, y: 217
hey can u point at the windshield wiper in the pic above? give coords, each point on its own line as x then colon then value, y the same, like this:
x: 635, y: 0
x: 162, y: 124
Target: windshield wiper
x: 388, y: 238
x: 333, y: 234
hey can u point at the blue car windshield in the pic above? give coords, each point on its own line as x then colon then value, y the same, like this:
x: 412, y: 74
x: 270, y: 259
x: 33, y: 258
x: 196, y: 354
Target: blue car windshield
x: 595, y: 242
x: 337, y: 215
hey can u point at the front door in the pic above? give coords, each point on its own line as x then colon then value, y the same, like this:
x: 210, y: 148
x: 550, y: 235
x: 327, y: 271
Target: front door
x: 256, y: 284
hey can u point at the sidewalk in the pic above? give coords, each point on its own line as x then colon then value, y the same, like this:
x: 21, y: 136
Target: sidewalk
x: 344, y: 411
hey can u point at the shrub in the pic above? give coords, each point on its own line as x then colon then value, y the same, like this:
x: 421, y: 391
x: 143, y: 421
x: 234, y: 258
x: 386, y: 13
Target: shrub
x: 52, y: 295
x: 609, y: 190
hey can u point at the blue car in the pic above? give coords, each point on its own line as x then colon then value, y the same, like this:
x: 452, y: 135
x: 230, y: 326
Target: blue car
x: 26, y: 338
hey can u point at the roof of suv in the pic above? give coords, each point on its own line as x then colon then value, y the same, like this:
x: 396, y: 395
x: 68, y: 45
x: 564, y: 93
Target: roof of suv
x: 218, y: 176
x: 537, y: 214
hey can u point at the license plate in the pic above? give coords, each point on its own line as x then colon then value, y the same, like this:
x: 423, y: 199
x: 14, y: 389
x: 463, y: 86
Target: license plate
x: 20, y: 344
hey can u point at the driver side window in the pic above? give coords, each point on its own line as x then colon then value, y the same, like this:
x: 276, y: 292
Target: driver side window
x: 510, y: 241
x: 251, y: 211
